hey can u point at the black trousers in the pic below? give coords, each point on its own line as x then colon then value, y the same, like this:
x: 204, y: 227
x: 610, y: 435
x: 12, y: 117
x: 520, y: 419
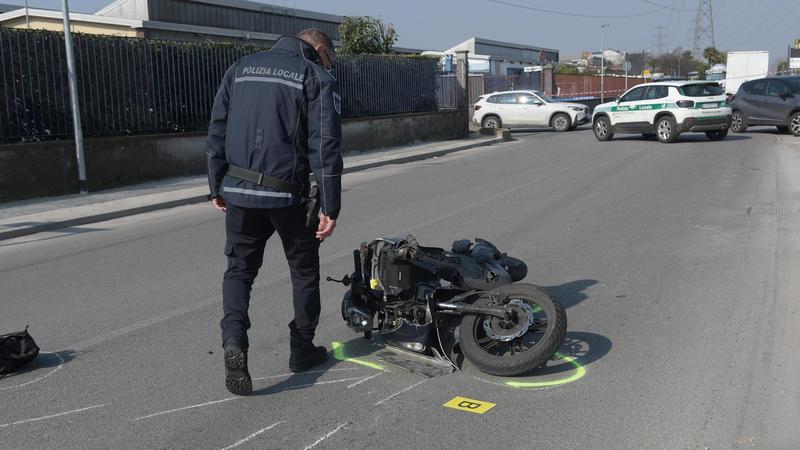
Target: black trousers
x: 247, y: 231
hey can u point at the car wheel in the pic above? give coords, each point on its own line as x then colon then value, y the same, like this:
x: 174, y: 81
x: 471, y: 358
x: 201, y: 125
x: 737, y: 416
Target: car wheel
x: 717, y: 135
x: 491, y: 122
x: 738, y: 124
x: 561, y: 122
x: 602, y: 129
x: 794, y: 124
x: 667, y: 130
x: 782, y: 129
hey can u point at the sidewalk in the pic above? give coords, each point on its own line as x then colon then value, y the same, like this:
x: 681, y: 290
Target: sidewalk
x: 45, y: 214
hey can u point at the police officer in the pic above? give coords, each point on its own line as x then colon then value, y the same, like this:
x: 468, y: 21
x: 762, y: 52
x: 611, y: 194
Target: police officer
x: 276, y: 118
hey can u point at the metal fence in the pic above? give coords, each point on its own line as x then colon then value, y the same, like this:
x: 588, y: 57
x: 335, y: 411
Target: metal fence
x: 386, y: 84
x: 572, y: 86
x: 133, y: 86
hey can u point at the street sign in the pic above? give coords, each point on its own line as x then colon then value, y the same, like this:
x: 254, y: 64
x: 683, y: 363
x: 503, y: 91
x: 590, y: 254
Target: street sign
x: 532, y: 69
x: 627, y: 66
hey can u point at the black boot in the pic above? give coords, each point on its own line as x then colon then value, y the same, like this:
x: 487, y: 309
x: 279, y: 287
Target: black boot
x: 237, y: 378
x: 305, y: 356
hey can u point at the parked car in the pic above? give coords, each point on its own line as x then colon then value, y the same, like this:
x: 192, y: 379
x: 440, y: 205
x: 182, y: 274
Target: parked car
x: 665, y: 109
x: 520, y: 109
x: 768, y: 101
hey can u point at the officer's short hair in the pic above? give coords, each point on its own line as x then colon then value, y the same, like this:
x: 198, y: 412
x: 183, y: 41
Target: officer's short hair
x: 315, y: 36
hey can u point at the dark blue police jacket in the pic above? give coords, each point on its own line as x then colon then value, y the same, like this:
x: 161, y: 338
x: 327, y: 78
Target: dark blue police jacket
x: 279, y: 113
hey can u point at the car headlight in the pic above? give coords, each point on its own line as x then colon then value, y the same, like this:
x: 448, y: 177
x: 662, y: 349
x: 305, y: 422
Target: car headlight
x: 575, y: 108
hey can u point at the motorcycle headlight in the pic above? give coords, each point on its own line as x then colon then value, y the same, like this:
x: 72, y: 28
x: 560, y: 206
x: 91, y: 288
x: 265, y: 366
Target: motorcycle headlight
x: 576, y: 108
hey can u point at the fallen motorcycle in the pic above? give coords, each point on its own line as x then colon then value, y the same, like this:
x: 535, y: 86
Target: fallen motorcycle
x: 438, y: 303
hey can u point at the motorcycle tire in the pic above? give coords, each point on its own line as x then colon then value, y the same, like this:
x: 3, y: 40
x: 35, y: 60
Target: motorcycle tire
x: 475, y: 342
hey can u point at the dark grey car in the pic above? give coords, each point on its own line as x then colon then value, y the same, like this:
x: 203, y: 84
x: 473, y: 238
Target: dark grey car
x: 768, y: 101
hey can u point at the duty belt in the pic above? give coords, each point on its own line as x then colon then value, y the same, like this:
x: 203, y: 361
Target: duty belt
x: 296, y: 189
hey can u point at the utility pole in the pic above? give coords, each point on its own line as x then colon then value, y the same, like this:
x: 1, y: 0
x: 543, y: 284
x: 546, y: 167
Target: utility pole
x: 703, y: 29
x: 603, y: 62
x: 73, y: 94
x: 27, y: 17
x: 626, y: 64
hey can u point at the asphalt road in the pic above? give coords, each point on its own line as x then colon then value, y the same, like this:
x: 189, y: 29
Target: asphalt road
x: 683, y: 310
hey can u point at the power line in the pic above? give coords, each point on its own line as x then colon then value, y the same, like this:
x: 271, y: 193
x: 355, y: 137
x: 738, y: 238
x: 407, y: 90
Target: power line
x: 671, y: 8
x: 563, y: 13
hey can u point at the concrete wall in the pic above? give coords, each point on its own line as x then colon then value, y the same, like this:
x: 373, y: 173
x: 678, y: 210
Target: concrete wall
x: 49, y: 168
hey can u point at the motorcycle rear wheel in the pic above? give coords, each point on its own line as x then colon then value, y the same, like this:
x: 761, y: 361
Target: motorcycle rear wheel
x: 524, y: 353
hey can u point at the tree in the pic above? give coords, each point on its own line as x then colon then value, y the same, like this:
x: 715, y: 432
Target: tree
x: 366, y: 35
x: 676, y: 63
x: 714, y: 56
x: 783, y: 65
x: 566, y: 69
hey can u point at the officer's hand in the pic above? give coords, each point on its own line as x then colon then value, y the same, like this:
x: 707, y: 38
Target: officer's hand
x: 219, y: 203
x: 326, y: 226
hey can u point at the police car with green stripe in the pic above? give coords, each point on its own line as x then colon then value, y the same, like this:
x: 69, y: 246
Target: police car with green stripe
x: 664, y: 110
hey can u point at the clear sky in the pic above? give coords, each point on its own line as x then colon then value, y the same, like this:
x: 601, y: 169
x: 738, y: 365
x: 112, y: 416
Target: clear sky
x: 439, y: 24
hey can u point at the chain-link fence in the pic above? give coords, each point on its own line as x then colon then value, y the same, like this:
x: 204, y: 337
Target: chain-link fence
x: 130, y: 86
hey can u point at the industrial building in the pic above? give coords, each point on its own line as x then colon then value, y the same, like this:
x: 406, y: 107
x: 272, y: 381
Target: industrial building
x: 499, y: 58
x: 183, y: 20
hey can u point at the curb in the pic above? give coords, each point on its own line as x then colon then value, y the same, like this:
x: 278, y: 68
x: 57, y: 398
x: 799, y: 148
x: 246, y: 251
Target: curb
x: 50, y: 226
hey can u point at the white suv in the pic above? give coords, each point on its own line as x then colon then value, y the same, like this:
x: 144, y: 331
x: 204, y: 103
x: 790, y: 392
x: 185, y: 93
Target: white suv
x: 664, y: 110
x: 519, y: 109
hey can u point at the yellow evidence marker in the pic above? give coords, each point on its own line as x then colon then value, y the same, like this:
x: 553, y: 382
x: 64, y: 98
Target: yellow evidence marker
x: 469, y: 405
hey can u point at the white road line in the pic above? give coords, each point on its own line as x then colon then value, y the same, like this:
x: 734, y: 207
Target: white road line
x: 199, y: 405
x: 300, y: 373
x: 238, y: 443
x: 20, y: 422
x: 60, y: 366
x: 401, y: 392
x: 365, y: 379
x: 326, y: 436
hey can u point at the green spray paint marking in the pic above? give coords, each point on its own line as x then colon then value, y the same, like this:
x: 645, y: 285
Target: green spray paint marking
x: 339, y: 354
x: 580, y: 371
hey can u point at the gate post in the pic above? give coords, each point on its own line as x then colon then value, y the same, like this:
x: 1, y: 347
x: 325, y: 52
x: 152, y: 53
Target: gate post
x: 463, y: 105
x: 462, y: 72
x: 547, y: 79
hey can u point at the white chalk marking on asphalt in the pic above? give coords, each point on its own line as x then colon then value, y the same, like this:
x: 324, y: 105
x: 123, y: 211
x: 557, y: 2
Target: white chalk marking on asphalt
x: 365, y: 379
x: 298, y: 386
x: 238, y: 443
x: 60, y: 366
x: 283, y: 375
x: 401, y: 392
x: 36, y: 419
x: 326, y: 436
x: 199, y: 405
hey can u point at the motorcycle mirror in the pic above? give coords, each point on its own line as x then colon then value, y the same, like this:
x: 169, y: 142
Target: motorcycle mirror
x: 346, y: 280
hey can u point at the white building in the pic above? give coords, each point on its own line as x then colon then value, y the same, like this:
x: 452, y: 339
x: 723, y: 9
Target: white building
x: 498, y: 58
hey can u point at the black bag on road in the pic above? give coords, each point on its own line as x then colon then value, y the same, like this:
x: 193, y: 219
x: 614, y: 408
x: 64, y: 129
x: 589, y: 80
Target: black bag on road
x: 16, y: 350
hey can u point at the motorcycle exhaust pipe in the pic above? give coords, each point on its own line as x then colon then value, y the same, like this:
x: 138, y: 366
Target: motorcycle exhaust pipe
x: 464, y: 308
